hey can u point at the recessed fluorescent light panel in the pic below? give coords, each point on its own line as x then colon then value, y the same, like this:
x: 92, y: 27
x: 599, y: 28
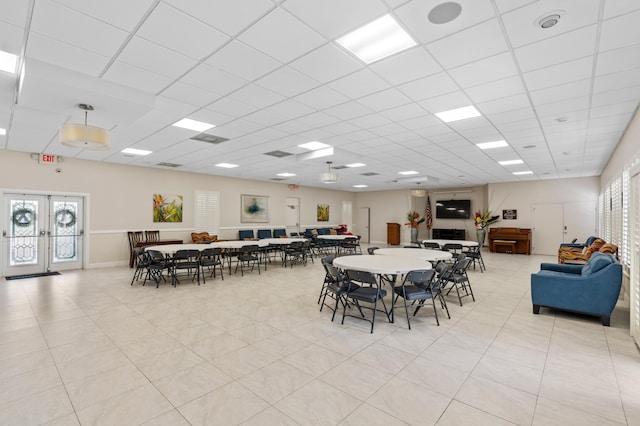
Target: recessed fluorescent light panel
x: 226, y: 165
x: 286, y: 174
x: 458, y: 114
x: 376, y: 40
x: 314, y: 145
x: 3, y: 131
x: 134, y: 151
x: 491, y: 145
x: 510, y: 162
x: 360, y: 186
x: 8, y: 62
x: 356, y: 165
x: 409, y: 172
x: 528, y: 172
x: 198, y: 126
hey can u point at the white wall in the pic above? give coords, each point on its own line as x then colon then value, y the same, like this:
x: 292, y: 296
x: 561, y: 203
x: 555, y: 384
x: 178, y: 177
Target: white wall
x: 121, y: 199
x: 386, y: 206
x: 628, y: 149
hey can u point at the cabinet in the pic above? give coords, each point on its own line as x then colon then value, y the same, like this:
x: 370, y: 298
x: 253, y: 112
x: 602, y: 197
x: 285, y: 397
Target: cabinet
x: 393, y: 233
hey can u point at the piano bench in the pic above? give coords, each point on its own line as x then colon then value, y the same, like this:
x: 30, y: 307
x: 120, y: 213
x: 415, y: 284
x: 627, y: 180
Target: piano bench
x: 509, y: 246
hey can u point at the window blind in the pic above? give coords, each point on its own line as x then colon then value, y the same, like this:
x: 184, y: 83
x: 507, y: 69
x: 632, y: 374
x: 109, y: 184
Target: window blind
x: 207, y: 211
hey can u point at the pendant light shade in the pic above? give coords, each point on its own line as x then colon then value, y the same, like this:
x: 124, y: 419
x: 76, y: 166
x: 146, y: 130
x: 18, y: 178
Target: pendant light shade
x: 85, y: 136
x: 419, y: 193
x: 329, y: 177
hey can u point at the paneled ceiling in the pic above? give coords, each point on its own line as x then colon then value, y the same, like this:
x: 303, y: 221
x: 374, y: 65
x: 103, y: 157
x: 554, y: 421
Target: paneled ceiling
x: 270, y: 75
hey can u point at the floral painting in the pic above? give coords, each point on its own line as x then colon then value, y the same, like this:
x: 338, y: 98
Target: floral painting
x: 167, y: 208
x: 255, y: 208
x: 323, y: 212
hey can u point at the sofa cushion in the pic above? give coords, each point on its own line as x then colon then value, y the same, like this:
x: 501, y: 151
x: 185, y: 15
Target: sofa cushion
x: 597, y: 262
x: 609, y: 248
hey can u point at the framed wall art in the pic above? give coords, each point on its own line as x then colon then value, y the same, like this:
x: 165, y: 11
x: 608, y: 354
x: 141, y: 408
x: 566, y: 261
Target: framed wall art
x: 323, y: 212
x: 167, y: 208
x: 254, y: 208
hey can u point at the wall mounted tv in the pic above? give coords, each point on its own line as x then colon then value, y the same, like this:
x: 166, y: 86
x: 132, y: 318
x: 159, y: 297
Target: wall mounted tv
x: 453, y: 209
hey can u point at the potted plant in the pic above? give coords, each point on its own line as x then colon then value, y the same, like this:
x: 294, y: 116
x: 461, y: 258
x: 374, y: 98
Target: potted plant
x: 483, y: 218
x: 414, y: 220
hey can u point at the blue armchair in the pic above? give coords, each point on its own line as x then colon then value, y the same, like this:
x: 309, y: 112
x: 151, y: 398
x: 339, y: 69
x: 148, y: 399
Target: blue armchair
x: 591, y: 289
x: 587, y: 243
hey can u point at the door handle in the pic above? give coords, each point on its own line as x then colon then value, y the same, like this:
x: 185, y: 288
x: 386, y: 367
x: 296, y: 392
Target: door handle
x: 42, y: 233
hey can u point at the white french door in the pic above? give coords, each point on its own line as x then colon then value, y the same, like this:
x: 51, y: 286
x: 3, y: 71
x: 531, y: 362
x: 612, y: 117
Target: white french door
x: 42, y: 233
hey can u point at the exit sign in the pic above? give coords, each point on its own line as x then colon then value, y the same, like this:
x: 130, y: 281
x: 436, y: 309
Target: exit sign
x: 48, y: 159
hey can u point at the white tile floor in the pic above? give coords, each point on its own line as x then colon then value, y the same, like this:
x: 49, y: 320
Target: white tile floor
x: 86, y: 348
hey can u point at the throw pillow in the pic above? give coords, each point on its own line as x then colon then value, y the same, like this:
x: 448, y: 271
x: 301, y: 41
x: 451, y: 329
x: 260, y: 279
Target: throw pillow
x: 597, y: 262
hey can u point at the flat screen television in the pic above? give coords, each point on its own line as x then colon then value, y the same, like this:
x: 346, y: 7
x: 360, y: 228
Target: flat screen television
x: 453, y: 209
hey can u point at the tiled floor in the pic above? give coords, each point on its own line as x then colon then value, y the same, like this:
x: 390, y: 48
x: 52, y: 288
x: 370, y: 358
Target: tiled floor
x: 86, y: 348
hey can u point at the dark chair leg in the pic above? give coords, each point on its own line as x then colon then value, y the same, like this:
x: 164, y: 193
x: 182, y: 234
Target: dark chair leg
x: 606, y: 320
x: 536, y: 309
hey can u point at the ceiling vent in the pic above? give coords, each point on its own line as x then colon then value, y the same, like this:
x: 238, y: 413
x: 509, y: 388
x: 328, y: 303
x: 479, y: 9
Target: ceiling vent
x: 174, y: 165
x: 278, y: 154
x: 205, y: 137
x: 369, y: 174
x: 278, y: 179
x: 339, y: 167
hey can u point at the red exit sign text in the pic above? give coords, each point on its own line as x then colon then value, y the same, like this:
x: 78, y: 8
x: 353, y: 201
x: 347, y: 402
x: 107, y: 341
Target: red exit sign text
x: 48, y: 159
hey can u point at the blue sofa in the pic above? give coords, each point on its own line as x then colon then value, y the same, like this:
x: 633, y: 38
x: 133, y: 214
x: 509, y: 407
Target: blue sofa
x: 587, y: 243
x: 591, y: 289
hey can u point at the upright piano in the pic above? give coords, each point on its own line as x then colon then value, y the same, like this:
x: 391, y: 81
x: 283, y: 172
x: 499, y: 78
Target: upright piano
x: 521, y: 236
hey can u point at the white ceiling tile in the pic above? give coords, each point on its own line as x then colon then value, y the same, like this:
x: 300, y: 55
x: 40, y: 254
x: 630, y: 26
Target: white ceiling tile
x: 11, y: 37
x: 266, y: 118
x: 446, y: 102
x: 255, y: 95
x: 326, y: 63
x: 190, y: 94
x: 281, y: 36
x: 370, y: 121
x: 212, y: 79
x: 348, y: 110
x: 78, y: 30
x: 112, y: 11
x: 616, y: 80
x: 620, y: 31
x: 197, y: 41
x: 621, y: 108
x: 564, y: 108
x: 132, y: 76
x: 322, y: 97
x: 497, y: 89
x: 155, y: 58
x: 55, y: 52
x: 560, y: 74
x: 618, y: 59
x: 470, y: 45
x: 616, y: 96
x: 291, y: 109
x: 522, y: 24
x: 558, y: 93
x: 504, y: 104
x: 484, y: 70
x: 287, y: 82
x: 333, y: 18
x: 319, y: 119
x: 414, y: 16
x: 421, y: 122
x: 15, y: 13
x: 429, y: 87
x: 515, y: 115
x: 406, y: 66
x: 405, y: 112
x: 385, y: 99
x: 243, y: 61
x: 556, y: 50
x: 231, y: 17
x: 232, y: 107
x: 619, y: 7
x: 507, y: 5
x: 360, y: 83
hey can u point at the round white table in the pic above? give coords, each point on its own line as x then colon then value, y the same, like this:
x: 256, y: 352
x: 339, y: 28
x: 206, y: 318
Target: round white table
x: 236, y: 244
x: 382, y: 265
x: 424, y: 254
x: 464, y: 243
x: 171, y: 249
x: 281, y: 241
x: 336, y: 237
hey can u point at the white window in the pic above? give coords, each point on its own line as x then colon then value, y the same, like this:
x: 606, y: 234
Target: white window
x: 207, y: 211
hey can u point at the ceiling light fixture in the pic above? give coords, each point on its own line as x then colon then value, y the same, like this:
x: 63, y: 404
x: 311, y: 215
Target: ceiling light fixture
x: 3, y: 131
x: 492, y: 145
x: 419, y: 192
x: 360, y: 186
x: 510, y: 162
x: 356, y: 165
x: 8, y: 62
x: 286, y: 174
x: 377, y: 40
x: 408, y: 172
x: 458, y: 114
x: 313, y: 146
x: 444, y: 13
x: 134, y: 151
x: 549, y: 19
x: 329, y: 177
x: 226, y: 165
x: 198, y: 126
x: 528, y: 172
x: 84, y: 136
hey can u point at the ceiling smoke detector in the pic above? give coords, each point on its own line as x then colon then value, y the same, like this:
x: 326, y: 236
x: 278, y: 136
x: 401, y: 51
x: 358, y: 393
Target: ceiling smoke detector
x: 550, y: 19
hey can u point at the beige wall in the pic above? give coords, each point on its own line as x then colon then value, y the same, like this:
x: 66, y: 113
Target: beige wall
x: 120, y: 199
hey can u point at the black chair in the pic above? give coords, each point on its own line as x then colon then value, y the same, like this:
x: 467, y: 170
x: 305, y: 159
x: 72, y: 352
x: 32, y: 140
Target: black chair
x: 475, y: 254
x: 248, y: 256
x: 364, y: 287
x: 418, y: 287
x: 142, y: 262
x: 453, y: 248
x: 186, y: 260
x: 412, y: 246
x: 294, y: 252
x: 348, y: 246
x: 329, y: 260
x: 308, y: 251
x: 431, y: 245
x: 457, y: 276
x: 371, y: 250
x: 211, y: 258
x: 246, y: 234
x: 158, y: 263
x: 278, y: 233
x: 335, y: 286
x: 264, y: 233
